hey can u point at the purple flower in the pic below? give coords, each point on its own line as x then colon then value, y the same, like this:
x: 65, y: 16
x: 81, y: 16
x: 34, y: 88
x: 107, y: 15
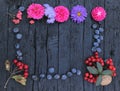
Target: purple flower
x: 78, y: 13
x: 50, y: 13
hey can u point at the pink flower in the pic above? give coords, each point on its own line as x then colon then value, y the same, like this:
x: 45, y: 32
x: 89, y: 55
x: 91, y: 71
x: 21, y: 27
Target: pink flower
x: 62, y: 14
x: 98, y: 13
x: 35, y: 11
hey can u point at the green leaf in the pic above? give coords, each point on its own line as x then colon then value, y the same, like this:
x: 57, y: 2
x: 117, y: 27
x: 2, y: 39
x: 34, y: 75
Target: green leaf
x: 20, y: 79
x: 99, y: 80
x: 107, y: 72
x: 99, y: 66
x: 92, y: 70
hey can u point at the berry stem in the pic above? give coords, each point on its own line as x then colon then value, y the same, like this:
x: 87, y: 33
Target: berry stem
x: 5, y: 86
x: 11, y: 74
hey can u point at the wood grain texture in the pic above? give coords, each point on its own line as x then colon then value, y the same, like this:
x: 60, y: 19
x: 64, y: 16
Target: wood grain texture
x: 60, y: 45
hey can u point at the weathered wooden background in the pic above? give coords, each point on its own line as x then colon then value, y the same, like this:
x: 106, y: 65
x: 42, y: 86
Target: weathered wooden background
x: 63, y: 45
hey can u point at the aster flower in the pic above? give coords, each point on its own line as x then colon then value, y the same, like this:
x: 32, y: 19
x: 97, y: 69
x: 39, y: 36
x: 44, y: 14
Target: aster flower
x: 50, y: 13
x: 62, y: 14
x: 35, y: 11
x: 78, y: 13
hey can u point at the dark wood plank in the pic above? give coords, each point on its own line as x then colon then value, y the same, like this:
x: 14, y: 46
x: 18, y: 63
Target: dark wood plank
x: 88, y: 40
x: 76, y: 50
x: 3, y: 42
x: 64, y: 50
x: 112, y: 36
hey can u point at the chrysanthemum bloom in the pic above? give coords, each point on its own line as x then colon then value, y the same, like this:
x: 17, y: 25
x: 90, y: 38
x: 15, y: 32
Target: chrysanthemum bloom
x: 98, y: 13
x: 35, y: 11
x: 62, y: 14
x: 78, y: 13
x: 50, y: 13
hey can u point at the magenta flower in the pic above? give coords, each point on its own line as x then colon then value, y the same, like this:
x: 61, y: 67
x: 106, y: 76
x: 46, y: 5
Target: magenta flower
x: 35, y: 11
x: 62, y: 14
x: 78, y: 13
x: 98, y: 13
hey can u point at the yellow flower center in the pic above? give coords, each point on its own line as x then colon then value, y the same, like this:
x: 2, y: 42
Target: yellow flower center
x: 79, y: 14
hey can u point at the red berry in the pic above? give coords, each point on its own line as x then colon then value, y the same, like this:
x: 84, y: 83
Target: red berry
x: 85, y: 78
x: 86, y: 62
x: 86, y: 74
x: 16, y: 21
x: 114, y: 74
x: 90, y: 63
x: 90, y: 76
x: 15, y: 61
x: 93, y: 60
x: 110, y: 67
x: 113, y: 68
x: 26, y: 74
x: 110, y: 60
x: 89, y: 59
x: 31, y: 22
x: 96, y: 53
x: 25, y: 66
x: 91, y: 81
x: 111, y: 63
x: 21, y: 67
x: 19, y: 64
x: 107, y: 62
x: 102, y: 64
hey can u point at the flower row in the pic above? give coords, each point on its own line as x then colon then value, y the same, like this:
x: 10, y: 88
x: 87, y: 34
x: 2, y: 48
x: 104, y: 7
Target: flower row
x: 59, y: 13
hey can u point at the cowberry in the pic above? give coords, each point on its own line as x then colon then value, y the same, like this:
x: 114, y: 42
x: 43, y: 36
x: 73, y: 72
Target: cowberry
x: 26, y: 74
x: 25, y: 66
x: 86, y: 74
x: 19, y: 64
x: 90, y: 76
x: 85, y: 78
x: 15, y: 61
x: 31, y: 22
x: 20, y: 68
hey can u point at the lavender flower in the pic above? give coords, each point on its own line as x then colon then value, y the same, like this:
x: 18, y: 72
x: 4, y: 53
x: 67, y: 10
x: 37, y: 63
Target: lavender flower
x: 78, y: 13
x: 50, y: 13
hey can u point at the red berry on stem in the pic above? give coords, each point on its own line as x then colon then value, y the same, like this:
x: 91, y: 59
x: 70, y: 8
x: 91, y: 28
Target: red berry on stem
x: 26, y: 74
x: 19, y: 64
x: 85, y: 78
x: 15, y: 61
x: 21, y: 67
x: 90, y: 63
x: 90, y: 76
x: 86, y: 62
x: 86, y: 74
x: 110, y: 67
x: 25, y: 66
x: 114, y: 74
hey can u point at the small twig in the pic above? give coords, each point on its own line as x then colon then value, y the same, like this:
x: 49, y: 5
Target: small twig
x: 18, y: 71
x: 5, y: 86
x: 11, y: 74
x: 11, y: 15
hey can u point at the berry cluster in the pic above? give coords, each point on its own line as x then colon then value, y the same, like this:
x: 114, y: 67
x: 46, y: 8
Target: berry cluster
x: 90, y: 77
x: 17, y: 18
x: 21, y: 67
x: 93, y: 59
x: 91, y: 62
x: 111, y: 66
